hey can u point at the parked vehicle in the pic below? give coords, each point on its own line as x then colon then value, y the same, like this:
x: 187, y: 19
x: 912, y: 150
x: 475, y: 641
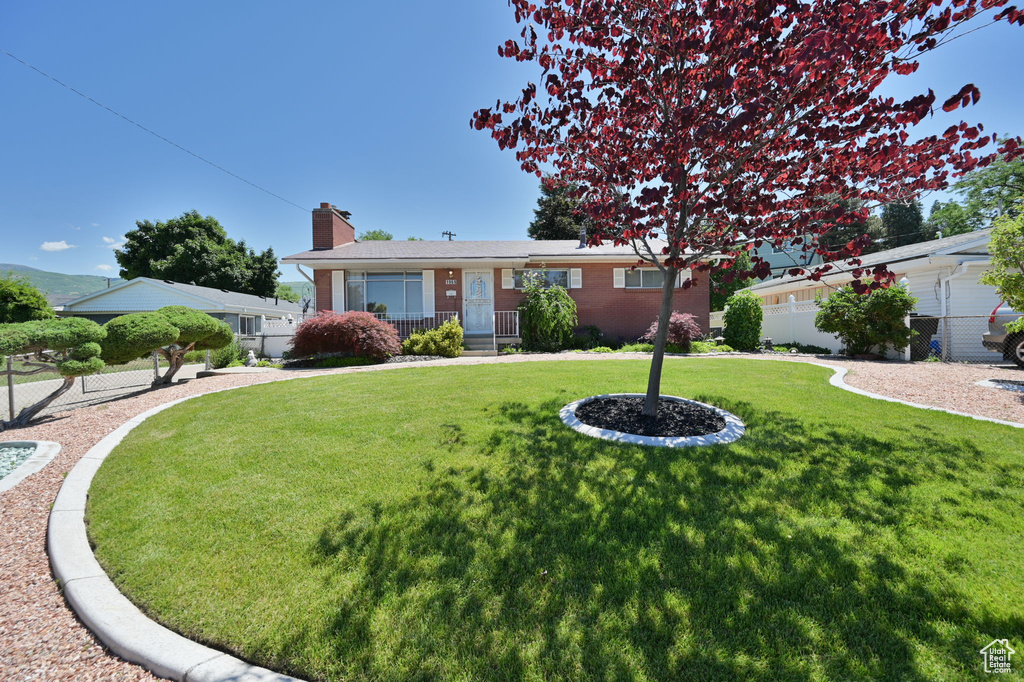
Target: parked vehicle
x: 1010, y: 345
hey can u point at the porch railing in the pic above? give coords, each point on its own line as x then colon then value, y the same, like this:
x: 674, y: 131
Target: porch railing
x: 407, y: 323
x: 506, y: 324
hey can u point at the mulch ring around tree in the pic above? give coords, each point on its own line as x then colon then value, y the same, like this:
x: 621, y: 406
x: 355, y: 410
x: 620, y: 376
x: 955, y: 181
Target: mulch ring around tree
x: 674, y: 420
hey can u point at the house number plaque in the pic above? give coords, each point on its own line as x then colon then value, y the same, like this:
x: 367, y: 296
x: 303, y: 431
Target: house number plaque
x: 449, y: 282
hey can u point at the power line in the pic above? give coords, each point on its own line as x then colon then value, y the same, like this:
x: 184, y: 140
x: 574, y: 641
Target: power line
x: 154, y: 134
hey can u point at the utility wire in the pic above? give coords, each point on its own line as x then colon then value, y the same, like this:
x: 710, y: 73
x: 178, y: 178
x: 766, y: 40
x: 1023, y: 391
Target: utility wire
x: 154, y: 134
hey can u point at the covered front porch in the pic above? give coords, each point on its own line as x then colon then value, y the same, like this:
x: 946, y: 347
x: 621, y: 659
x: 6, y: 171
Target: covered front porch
x: 502, y: 330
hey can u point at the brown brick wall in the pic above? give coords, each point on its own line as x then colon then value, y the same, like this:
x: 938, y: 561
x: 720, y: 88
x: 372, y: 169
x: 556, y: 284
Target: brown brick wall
x: 330, y: 229
x: 322, y: 281
x: 443, y: 303
x: 620, y: 313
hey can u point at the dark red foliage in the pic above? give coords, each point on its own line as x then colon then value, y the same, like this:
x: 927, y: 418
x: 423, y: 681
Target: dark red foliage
x: 716, y: 123
x: 353, y: 333
x: 682, y: 329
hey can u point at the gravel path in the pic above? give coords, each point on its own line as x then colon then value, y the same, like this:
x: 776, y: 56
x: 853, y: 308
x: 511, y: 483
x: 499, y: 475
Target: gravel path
x: 42, y: 640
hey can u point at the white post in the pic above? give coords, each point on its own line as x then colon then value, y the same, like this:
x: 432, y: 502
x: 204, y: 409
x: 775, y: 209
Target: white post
x: 10, y: 385
x: 906, y: 351
x: 792, y: 318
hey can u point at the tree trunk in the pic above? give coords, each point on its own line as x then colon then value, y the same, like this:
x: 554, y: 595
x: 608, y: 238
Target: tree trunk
x: 28, y: 413
x: 175, y: 361
x: 660, y: 339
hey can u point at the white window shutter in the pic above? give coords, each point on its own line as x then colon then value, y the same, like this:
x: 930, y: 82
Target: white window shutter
x: 428, y: 293
x: 575, y: 278
x: 681, y: 277
x: 338, y: 290
x: 619, y: 278
x: 508, y: 280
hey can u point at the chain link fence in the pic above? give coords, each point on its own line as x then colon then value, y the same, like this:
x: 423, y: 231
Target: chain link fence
x: 951, y: 339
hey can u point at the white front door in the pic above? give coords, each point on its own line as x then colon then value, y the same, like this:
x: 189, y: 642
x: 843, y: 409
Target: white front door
x: 478, y: 301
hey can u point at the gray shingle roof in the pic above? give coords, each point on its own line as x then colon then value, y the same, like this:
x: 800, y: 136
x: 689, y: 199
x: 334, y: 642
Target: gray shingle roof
x: 218, y: 297
x: 899, y: 254
x: 440, y: 250
x: 232, y: 298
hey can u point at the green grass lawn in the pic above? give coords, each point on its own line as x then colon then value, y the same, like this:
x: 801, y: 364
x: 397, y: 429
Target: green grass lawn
x: 442, y: 523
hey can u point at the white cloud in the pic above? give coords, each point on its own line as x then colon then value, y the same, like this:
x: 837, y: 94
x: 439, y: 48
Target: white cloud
x: 113, y: 243
x: 94, y: 224
x: 56, y: 246
x: 105, y: 268
x: 33, y: 257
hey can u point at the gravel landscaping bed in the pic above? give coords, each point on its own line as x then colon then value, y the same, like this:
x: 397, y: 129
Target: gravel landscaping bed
x: 42, y: 639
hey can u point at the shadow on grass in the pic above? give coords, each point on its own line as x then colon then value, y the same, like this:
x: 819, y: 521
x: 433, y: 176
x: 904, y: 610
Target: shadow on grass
x: 778, y: 557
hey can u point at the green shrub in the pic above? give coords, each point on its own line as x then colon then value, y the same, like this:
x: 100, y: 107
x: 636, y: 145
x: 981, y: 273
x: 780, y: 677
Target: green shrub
x: 195, y: 356
x: 742, y: 320
x: 135, y: 336
x: 547, y: 315
x: 637, y: 348
x: 22, y: 302
x: 229, y: 354
x: 445, y: 341
x: 865, y: 321
x: 602, y: 349
x: 587, y: 337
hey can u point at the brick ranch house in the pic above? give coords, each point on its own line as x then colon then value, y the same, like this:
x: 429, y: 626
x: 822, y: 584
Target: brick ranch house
x: 420, y: 284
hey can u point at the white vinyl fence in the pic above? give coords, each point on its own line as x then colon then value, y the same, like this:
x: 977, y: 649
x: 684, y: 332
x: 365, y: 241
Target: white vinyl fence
x: 788, y: 322
x: 949, y: 339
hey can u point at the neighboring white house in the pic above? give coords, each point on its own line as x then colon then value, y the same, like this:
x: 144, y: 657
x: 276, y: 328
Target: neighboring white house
x: 943, y: 274
x: 245, y: 313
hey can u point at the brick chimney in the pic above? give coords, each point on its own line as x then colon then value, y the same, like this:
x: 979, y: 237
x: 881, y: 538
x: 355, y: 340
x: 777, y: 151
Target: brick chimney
x: 330, y: 228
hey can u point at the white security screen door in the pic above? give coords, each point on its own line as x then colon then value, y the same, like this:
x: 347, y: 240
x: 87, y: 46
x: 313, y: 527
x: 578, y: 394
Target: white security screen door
x: 478, y: 301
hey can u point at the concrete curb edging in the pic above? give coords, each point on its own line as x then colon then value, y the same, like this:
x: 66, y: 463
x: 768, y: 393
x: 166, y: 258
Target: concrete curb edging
x: 838, y: 381
x: 94, y: 598
x: 45, y: 452
x: 129, y: 633
x: 734, y: 428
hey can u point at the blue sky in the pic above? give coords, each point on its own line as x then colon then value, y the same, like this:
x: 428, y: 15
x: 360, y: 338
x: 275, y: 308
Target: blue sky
x: 363, y: 105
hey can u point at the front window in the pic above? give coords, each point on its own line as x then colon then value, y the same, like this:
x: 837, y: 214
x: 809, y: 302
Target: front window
x: 391, y: 293
x: 246, y: 325
x: 550, y: 279
x: 644, y: 279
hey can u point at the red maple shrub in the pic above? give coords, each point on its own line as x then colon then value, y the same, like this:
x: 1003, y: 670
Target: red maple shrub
x: 353, y: 333
x: 682, y: 329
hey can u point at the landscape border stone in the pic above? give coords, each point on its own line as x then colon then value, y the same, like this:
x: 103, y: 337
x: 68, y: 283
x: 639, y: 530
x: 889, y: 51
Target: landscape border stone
x: 733, y: 430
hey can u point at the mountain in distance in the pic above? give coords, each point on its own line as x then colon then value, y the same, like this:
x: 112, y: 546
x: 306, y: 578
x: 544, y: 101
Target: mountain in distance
x: 58, y: 287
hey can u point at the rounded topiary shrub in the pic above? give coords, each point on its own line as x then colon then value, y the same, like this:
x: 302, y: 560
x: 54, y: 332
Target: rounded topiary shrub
x: 353, y: 333
x: 445, y: 341
x: 136, y: 335
x: 742, y: 320
x: 682, y: 331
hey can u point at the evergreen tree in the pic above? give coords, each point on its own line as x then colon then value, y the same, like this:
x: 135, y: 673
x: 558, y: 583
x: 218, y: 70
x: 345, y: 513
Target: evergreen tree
x: 904, y: 224
x: 557, y: 215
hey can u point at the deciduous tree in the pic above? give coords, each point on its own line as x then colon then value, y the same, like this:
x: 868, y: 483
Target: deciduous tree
x: 703, y: 123
x: 197, y: 250
x: 376, y: 236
